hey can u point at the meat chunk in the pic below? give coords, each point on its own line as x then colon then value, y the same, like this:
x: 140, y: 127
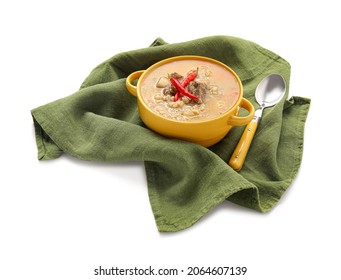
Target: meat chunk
x: 198, y: 89
x: 176, y: 76
x: 169, y: 90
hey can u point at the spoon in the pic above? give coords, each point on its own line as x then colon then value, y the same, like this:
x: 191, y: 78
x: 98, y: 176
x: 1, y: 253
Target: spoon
x: 268, y: 93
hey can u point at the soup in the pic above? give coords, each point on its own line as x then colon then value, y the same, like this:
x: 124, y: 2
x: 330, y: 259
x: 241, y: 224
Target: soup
x: 190, y: 90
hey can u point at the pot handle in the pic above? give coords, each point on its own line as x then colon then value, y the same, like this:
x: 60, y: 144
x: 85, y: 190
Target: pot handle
x: 239, y: 121
x: 129, y: 81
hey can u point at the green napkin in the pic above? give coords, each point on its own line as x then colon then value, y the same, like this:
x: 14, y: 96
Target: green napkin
x: 100, y: 122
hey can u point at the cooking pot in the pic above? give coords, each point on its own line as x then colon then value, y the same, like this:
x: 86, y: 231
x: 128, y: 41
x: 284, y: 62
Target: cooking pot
x: 206, y: 132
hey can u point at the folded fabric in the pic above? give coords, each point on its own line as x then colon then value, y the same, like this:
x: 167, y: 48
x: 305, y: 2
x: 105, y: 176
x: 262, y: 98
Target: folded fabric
x: 100, y: 122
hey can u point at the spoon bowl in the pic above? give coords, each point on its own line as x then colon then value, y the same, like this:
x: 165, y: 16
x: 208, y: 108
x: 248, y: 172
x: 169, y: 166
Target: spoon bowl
x: 270, y: 90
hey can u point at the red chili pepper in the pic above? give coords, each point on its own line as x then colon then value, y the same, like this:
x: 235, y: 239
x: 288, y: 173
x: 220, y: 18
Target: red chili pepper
x: 188, y: 79
x: 185, y: 82
x: 182, y: 90
x: 176, y: 96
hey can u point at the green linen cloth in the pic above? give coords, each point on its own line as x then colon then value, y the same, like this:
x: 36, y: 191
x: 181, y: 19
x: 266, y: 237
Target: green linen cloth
x: 100, y: 122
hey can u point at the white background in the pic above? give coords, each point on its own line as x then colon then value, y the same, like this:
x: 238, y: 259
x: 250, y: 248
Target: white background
x: 61, y: 219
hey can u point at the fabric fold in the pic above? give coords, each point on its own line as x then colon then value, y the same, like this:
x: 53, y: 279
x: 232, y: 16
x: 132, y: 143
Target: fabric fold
x: 100, y: 122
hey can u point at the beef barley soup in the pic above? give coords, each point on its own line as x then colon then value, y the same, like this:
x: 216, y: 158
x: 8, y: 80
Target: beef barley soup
x: 190, y: 90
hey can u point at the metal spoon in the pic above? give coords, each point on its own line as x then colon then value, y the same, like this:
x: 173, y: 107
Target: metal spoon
x: 268, y: 93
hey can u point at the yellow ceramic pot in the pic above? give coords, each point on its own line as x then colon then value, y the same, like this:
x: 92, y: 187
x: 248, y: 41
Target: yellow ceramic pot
x: 205, y: 133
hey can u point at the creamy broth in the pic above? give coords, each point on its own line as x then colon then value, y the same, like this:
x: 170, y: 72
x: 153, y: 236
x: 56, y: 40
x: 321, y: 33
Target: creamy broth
x: 221, y: 90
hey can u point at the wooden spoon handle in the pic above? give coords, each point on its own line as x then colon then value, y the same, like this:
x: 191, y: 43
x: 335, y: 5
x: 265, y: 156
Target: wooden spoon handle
x: 238, y: 157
